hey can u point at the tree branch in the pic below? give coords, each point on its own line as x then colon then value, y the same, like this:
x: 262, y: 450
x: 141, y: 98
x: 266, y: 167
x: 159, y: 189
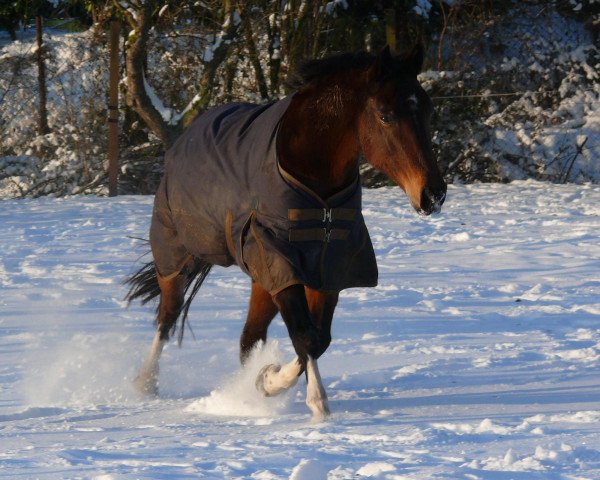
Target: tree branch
x: 214, y: 55
x: 139, y: 96
x: 253, y: 55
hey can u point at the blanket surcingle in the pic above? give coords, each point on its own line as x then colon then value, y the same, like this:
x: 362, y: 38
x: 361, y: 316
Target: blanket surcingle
x: 225, y: 199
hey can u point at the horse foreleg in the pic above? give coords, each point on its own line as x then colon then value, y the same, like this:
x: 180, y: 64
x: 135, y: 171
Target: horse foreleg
x: 316, y: 397
x: 321, y: 306
x: 275, y: 379
x: 309, y: 342
x: 171, y: 300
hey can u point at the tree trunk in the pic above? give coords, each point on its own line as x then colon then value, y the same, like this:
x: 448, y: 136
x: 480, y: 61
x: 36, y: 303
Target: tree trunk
x: 297, y: 38
x: 218, y: 54
x: 273, y: 29
x: 138, y: 98
x: 391, y: 30
x: 113, y: 110
x: 42, y: 111
x: 137, y: 95
x: 253, y: 55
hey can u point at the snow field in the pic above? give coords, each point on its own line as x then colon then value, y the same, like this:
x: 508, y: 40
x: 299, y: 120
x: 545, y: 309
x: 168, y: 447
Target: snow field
x: 476, y: 357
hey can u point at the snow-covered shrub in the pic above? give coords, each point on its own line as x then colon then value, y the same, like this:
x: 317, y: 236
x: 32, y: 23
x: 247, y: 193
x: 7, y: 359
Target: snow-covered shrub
x: 71, y: 158
x: 525, y: 106
x: 515, y: 85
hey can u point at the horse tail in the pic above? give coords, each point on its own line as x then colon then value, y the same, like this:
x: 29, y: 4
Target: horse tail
x: 143, y: 285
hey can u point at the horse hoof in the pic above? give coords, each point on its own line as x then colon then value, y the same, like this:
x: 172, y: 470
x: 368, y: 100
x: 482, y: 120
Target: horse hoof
x: 264, y: 382
x: 320, y: 410
x: 320, y: 418
x: 147, y: 386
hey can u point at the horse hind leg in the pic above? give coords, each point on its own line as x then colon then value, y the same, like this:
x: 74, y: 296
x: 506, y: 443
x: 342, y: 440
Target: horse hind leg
x: 172, y: 294
x: 261, y: 311
x: 146, y: 381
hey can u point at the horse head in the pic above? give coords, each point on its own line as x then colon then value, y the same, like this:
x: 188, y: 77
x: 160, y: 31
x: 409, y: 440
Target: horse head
x: 395, y: 132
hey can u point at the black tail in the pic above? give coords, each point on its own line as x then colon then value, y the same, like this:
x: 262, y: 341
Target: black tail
x: 143, y: 285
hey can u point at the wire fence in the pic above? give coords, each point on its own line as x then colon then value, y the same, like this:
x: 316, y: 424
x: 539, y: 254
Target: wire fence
x: 592, y: 140
x: 77, y: 86
x: 504, y: 94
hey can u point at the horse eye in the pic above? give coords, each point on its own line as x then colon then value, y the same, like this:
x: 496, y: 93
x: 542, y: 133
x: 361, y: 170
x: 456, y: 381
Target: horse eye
x: 387, y: 118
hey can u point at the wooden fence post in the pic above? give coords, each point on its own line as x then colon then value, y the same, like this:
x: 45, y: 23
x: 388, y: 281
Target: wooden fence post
x: 113, y: 110
x: 43, y: 112
x: 391, y: 29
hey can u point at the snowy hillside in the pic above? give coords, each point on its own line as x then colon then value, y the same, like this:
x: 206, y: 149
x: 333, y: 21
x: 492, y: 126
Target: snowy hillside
x: 477, y: 357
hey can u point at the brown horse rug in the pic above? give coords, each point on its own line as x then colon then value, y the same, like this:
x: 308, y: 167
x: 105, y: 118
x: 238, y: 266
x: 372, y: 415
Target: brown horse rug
x: 225, y: 199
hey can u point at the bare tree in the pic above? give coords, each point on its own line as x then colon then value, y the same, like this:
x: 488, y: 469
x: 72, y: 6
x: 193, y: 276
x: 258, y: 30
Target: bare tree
x: 113, y: 109
x: 253, y: 55
x: 165, y: 122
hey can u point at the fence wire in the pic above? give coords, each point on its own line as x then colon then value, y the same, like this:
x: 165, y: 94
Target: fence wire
x: 19, y: 98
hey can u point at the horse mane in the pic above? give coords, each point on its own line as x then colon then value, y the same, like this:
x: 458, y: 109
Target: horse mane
x: 310, y: 71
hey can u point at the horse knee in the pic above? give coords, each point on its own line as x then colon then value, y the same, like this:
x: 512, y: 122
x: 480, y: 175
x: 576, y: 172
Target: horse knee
x: 325, y: 341
x: 319, y: 345
x: 310, y: 342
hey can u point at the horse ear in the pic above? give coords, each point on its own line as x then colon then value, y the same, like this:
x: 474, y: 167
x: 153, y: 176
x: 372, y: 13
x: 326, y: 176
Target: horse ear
x: 414, y: 59
x: 384, y: 64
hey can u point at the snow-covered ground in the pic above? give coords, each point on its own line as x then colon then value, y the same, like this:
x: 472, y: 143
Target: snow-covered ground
x: 478, y: 356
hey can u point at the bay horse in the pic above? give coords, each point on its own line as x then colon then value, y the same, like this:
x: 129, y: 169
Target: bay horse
x: 275, y: 189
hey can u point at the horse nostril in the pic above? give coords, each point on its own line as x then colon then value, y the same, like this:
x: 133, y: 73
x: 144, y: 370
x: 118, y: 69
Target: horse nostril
x: 432, y: 202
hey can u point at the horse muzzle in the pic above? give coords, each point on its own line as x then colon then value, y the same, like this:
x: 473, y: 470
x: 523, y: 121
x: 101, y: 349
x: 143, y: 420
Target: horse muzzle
x: 432, y: 200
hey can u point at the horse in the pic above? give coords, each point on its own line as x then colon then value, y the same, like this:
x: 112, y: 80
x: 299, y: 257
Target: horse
x: 275, y: 190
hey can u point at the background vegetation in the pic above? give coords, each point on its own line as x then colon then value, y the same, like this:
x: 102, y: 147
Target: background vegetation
x: 515, y: 83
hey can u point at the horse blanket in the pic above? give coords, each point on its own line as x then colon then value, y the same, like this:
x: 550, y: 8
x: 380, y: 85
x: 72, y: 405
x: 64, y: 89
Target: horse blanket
x: 225, y: 199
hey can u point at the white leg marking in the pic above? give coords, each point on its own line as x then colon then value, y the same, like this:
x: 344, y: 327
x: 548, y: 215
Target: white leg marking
x: 274, y: 379
x: 316, y: 397
x: 147, y: 380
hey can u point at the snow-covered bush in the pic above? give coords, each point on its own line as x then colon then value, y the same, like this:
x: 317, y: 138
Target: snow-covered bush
x: 515, y: 85
x: 526, y: 106
x: 71, y: 158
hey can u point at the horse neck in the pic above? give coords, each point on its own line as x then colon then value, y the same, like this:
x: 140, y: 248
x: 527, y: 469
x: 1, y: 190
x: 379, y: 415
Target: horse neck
x: 318, y: 141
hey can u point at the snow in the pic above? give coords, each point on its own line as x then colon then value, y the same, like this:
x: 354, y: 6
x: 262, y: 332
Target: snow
x: 163, y: 9
x: 330, y: 7
x: 210, y: 50
x: 422, y: 8
x: 165, y: 113
x: 476, y: 357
